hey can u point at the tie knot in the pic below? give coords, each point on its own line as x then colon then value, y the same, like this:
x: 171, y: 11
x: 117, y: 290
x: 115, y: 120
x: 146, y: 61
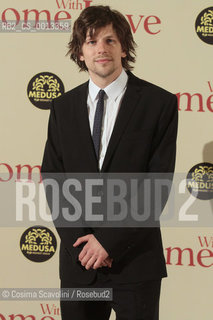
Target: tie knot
x: 101, y: 94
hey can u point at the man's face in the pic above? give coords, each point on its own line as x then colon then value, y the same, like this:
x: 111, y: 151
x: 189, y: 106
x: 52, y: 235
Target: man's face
x: 102, y: 55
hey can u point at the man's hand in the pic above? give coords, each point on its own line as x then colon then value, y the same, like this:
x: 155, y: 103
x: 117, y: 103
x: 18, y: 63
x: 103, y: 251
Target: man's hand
x: 93, y: 255
x: 107, y: 262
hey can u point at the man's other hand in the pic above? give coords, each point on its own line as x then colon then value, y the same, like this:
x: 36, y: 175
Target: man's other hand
x: 107, y: 262
x: 93, y: 255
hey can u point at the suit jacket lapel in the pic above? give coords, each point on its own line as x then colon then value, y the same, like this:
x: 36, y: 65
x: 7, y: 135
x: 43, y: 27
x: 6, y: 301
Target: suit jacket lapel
x: 128, y: 105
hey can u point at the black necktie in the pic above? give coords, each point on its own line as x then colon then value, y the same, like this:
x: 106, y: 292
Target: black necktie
x: 96, y: 134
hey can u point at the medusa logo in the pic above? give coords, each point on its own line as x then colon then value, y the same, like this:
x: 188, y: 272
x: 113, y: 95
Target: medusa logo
x: 200, y: 181
x: 207, y: 18
x: 204, y: 25
x: 46, y: 84
x: 203, y: 173
x: 38, y: 244
x: 38, y: 236
x: 44, y: 87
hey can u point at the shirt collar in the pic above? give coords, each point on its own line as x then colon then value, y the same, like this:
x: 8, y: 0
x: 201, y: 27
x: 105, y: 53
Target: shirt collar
x: 113, y: 90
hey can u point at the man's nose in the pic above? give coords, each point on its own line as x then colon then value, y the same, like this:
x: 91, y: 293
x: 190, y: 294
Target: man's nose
x: 102, y: 47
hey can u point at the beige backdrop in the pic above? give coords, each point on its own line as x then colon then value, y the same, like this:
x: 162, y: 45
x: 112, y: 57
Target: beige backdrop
x: 176, y: 59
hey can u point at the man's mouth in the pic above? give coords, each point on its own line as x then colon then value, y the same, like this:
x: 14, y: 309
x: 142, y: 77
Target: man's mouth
x: 103, y: 60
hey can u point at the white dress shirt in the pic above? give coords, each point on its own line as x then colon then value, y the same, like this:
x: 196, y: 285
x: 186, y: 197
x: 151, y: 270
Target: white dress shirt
x: 112, y: 101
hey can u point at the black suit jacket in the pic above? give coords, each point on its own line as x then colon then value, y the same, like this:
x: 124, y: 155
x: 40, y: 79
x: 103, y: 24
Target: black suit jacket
x: 143, y: 140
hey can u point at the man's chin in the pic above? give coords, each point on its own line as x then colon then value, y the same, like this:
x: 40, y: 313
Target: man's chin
x: 105, y: 73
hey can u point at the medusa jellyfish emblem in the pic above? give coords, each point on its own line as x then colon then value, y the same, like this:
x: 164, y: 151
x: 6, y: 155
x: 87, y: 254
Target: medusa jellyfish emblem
x: 38, y: 236
x: 207, y: 18
x: 203, y: 174
x: 46, y: 83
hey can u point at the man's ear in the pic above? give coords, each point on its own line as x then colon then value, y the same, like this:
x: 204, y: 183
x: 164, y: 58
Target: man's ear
x: 123, y: 54
x: 81, y: 57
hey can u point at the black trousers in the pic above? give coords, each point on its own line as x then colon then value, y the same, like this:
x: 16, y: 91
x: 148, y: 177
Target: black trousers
x: 132, y: 301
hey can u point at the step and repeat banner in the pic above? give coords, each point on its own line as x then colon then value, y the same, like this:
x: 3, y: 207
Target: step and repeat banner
x: 175, y: 50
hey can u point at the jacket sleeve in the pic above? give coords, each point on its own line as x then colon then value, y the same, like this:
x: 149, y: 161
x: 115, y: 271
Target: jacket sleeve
x: 161, y: 160
x: 53, y: 168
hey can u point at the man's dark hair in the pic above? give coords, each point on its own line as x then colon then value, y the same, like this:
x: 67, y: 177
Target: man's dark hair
x: 93, y: 18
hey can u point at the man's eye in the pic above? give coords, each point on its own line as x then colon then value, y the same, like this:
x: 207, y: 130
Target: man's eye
x: 91, y: 42
x: 110, y: 40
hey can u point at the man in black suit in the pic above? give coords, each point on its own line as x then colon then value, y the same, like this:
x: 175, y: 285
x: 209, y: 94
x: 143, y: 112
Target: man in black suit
x: 137, y: 134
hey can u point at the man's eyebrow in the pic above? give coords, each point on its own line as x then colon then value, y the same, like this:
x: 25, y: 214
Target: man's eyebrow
x: 110, y: 35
